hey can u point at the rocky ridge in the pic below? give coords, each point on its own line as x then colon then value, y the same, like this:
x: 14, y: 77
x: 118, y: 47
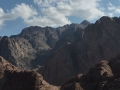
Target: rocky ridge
x: 11, y: 78
x: 80, y: 52
x: 34, y: 44
x: 103, y: 76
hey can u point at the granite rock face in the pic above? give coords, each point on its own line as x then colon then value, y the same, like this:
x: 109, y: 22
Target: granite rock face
x: 40, y: 38
x: 102, y: 76
x: 12, y: 78
x: 18, y: 51
x: 5, y: 65
x: 24, y: 80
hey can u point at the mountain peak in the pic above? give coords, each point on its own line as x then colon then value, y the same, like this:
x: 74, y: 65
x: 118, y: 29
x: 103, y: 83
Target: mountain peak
x: 105, y: 19
x: 85, y: 22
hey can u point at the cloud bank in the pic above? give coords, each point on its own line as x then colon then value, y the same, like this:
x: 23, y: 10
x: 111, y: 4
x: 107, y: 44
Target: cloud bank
x: 23, y: 11
x: 56, y: 12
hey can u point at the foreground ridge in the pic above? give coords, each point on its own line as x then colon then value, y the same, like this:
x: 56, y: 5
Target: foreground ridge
x: 103, y: 76
x: 11, y: 78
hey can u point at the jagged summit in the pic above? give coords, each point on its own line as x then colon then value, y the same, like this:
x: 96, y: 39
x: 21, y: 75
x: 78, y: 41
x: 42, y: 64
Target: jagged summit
x: 108, y: 19
x: 33, y: 45
x: 85, y: 22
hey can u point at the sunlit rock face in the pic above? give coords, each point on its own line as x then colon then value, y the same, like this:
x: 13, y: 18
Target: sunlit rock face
x: 12, y: 78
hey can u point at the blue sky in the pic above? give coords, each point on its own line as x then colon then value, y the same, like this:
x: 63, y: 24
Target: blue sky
x: 15, y: 15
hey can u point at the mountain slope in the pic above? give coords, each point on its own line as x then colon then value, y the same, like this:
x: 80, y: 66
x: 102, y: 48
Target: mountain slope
x: 18, y: 51
x: 34, y: 44
x: 11, y: 78
x: 100, y: 41
x: 103, y: 76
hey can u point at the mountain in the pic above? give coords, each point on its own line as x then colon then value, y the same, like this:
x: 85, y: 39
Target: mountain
x: 61, y: 53
x: 11, y: 78
x: 33, y: 45
x: 61, y: 65
x: 103, y: 76
x: 5, y: 66
x: 81, y: 51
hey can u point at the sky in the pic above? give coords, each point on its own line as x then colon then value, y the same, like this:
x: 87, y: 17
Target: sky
x: 16, y: 15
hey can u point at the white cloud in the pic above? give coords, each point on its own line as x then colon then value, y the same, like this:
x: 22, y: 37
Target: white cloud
x: 86, y: 9
x: 110, y: 6
x: 1, y: 14
x: 55, y: 12
x: 23, y: 11
x: 113, y: 9
x: 46, y: 21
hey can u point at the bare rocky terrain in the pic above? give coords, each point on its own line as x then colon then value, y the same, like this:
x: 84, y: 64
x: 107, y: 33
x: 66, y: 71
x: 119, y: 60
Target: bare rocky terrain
x: 12, y: 78
x: 80, y: 52
x: 103, y: 76
x: 59, y: 54
x: 34, y: 44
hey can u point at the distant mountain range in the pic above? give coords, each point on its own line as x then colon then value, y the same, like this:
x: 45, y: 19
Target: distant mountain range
x: 34, y: 44
x: 59, y: 54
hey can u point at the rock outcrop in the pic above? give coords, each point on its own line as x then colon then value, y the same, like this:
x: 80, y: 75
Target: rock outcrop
x: 5, y: 66
x: 17, y: 51
x: 11, y: 78
x: 103, y: 76
x: 24, y: 80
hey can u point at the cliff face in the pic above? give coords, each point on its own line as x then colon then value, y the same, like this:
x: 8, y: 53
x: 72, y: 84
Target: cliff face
x: 99, y: 41
x: 103, y: 76
x: 4, y: 65
x: 24, y: 80
x: 12, y: 78
x: 18, y: 51
x: 40, y: 38
x: 62, y: 65
x: 102, y: 38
